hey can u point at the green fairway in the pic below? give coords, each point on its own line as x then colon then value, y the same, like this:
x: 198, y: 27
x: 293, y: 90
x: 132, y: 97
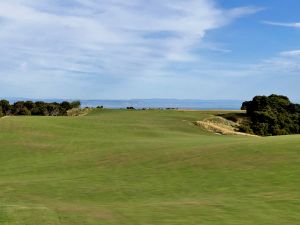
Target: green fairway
x: 118, y: 167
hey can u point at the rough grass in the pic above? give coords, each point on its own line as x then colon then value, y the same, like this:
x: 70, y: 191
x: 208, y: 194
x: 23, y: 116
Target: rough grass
x: 143, y: 168
x: 220, y: 125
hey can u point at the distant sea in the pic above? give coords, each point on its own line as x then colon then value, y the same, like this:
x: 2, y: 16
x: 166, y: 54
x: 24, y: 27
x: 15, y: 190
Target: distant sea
x: 151, y: 103
x: 165, y: 103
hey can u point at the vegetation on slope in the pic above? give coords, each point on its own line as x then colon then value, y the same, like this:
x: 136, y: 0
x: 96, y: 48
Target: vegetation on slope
x: 272, y: 115
x: 39, y: 108
x: 115, y: 167
x: 220, y: 125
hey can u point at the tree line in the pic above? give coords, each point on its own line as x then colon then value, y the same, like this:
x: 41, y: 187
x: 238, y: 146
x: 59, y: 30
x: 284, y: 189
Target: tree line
x: 271, y: 115
x: 39, y: 108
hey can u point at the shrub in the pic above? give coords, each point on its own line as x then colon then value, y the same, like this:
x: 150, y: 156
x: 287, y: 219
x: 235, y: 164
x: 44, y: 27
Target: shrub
x: 39, y: 108
x: 272, y: 115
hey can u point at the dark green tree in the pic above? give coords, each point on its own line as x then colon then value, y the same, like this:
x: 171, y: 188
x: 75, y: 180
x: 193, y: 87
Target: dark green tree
x: 272, y: 115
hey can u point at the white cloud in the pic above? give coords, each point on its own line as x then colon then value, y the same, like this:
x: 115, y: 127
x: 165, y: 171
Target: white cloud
x: 284, y: 64
x: 295, y: 25
x: 292, y: 53
x: 104, y: 37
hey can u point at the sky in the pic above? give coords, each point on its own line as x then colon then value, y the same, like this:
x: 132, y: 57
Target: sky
x: 137, y: 49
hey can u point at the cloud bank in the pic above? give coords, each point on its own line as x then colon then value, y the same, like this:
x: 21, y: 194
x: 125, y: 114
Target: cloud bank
x: 295, y: 25
x: 74, y: 45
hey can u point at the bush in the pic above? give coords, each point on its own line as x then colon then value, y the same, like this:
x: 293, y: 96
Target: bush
x: 1, y: 112
x: 5, y: 106
x: 24, y: 112
x: 272, y: 115
x: 37, y: 108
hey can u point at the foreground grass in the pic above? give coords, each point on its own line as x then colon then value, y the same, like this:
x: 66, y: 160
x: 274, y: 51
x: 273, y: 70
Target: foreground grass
x: 143, y: 168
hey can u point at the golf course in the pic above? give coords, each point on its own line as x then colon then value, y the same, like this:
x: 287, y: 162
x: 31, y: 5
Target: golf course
x: 144, y: 167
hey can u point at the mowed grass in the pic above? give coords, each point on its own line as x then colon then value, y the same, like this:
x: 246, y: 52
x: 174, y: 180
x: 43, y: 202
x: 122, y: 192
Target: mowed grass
x: 117, y: 167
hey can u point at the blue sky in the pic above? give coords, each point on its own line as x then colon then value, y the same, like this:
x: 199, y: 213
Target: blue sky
x: 116, y: 49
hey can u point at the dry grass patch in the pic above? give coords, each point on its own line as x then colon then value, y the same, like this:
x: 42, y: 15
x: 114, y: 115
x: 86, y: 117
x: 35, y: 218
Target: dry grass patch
x: 219, y: 125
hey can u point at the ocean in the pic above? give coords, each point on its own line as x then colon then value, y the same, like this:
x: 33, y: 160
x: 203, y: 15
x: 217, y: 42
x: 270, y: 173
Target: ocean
x: 151, y: 103
x: 165, y: 103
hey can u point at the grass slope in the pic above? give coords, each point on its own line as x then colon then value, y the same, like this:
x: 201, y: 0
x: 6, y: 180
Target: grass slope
x: 117, y: 167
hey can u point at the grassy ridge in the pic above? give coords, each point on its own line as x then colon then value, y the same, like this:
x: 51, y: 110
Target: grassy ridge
x: 143, y: 167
